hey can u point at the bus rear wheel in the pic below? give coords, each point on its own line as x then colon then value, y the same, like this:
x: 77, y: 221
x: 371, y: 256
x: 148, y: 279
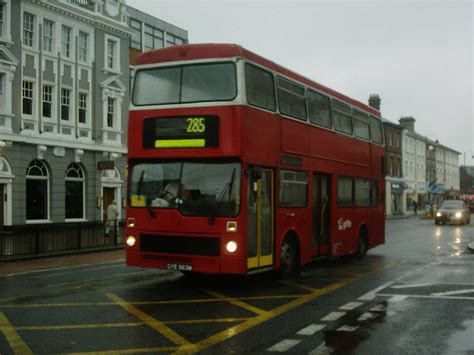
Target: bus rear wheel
x: 362, y: 244
x: 288, y: 259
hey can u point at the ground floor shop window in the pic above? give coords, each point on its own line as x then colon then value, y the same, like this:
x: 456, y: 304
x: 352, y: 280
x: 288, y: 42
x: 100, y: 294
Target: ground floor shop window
x: 37, y: 183
x: 74, y: 191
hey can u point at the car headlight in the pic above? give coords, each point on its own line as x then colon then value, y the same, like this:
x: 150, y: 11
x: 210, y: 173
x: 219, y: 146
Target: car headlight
x: 458, y: 215
x: 438, y: 214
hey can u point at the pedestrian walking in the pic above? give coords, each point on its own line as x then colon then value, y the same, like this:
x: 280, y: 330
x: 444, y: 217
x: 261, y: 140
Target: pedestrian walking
x: 415, y: 207
x: 112, y: 216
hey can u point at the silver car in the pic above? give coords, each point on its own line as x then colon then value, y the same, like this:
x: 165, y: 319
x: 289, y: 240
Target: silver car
x: 453, y: 211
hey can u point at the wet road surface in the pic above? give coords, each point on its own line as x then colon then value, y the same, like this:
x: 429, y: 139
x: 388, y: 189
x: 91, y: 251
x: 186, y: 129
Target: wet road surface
x: 413, y: 295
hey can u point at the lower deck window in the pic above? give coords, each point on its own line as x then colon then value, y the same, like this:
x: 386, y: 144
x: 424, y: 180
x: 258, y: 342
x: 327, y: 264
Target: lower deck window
x: 344, y: 192
x: 293, y: 188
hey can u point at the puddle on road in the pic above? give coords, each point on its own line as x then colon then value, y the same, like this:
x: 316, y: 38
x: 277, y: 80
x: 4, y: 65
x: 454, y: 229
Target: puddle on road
x: 461, y: 341
x: 362, y: 323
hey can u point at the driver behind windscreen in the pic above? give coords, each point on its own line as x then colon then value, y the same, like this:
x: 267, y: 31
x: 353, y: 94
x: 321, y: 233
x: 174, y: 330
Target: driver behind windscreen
x: 170, y: 192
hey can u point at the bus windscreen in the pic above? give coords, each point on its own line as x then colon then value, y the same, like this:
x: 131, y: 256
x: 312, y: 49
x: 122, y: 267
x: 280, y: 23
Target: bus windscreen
x: 185, y: 84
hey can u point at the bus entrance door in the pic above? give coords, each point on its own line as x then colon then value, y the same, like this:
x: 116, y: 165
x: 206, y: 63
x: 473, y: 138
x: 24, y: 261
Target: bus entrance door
x: 321, y: 213
x: 260, y: 219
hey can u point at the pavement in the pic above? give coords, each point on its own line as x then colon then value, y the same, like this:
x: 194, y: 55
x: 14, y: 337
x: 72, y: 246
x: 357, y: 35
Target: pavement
x: 23, y: 266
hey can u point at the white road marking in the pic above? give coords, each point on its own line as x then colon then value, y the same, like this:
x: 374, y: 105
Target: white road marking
x: 78, y: 271
x: 366, y: 316
x: 347, y: 328
x: 409, y: 273
x: 379, y: 308
x: 449, y: 293
x: 412, y: 285
x: 397, y: 298
x: 372, y: 294
x: 351, y: 306
x: 284, y: 345
x: 427, y: 296
x: 333, y: 316
x: 322, y: 349
x: 311, y: 329
x: 62, y: 268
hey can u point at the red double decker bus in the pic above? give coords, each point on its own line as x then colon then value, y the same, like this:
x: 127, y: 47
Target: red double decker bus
x: 238, y: 165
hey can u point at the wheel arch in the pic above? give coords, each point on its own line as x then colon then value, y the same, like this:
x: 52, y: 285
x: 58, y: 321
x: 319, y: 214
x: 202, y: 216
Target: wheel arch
x: 293, y: 235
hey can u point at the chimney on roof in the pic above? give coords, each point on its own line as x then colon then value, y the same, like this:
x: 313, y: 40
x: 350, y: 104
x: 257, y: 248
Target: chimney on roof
x: 408, y: 123
x: 374, y: 101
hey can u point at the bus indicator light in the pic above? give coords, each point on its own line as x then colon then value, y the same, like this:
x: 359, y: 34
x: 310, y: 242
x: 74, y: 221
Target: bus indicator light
x: 131, y: 222
x: 232, y: 226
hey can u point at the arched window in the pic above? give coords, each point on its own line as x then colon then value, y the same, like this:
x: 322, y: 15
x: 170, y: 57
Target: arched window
x: 37, y: 191
x: 75, y: 192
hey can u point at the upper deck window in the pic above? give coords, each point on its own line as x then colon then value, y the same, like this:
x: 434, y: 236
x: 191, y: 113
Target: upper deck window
x: 342, y: 116
x: 361, y: 125
x: 376, y: 130
x: 291, y: 99
x: 319, y: 109
x: 185, y: 84
x: 260, y: 87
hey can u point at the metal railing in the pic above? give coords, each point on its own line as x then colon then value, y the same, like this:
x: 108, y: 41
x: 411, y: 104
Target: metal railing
x: 25, y: 241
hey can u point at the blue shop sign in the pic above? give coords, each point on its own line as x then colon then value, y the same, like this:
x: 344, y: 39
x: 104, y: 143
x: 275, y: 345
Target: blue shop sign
x: 397, y: 188
x: 435, y: 187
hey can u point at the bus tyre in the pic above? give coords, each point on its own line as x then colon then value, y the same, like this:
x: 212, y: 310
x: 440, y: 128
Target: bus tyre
x: 288, y: 259
x: 362, y: 244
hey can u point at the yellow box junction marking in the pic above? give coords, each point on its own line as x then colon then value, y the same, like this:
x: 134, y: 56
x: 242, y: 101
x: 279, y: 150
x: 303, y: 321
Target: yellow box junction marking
x: 16, y: 343
x: 160, y: 327
x: 237, y: 302
x: 183, y: 346
x: 239, y: 328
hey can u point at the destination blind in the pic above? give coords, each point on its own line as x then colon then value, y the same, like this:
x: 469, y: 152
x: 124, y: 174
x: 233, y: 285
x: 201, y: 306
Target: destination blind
x: 181, y: 132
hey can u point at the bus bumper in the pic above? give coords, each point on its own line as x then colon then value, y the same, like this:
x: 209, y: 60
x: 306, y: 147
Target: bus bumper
x: 203, y: 264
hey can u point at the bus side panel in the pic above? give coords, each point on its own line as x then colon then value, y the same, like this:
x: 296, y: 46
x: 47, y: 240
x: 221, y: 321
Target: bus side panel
x: 322, y: 143
x: 260, y: 130
x: 377, y: 218
x: 294, y: 137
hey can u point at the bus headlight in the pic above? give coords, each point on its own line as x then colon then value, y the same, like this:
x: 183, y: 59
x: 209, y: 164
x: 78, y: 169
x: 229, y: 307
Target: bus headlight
x: 131, y: 241
x: 458, y: 215
x: 231, y: 246
x: 438, y: 214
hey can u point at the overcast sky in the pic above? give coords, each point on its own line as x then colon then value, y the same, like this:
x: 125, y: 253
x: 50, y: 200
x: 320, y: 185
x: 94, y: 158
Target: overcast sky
x: 418, y: 56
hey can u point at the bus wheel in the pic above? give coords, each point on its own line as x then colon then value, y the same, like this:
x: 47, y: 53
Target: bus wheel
x: 288, y: 259
x: 362, y: 244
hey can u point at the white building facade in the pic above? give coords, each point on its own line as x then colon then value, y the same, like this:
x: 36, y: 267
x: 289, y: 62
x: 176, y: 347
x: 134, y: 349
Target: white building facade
x: 447, y: 172
x: 414, y: 165
x: 63, y: 108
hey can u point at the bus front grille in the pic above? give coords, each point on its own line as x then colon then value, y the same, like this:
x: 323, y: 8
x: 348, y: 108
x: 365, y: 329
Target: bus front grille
x: 152, y: 243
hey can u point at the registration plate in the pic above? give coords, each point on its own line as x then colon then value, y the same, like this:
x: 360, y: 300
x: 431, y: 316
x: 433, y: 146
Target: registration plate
x: 180, y: 267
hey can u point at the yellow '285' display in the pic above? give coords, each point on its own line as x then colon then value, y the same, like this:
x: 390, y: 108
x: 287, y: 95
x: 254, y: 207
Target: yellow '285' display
x: 193, y: 131
x: 196, y: 125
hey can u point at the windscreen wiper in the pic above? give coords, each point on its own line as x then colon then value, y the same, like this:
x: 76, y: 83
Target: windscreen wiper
x: 151, y: 213
x: 227, y: 190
